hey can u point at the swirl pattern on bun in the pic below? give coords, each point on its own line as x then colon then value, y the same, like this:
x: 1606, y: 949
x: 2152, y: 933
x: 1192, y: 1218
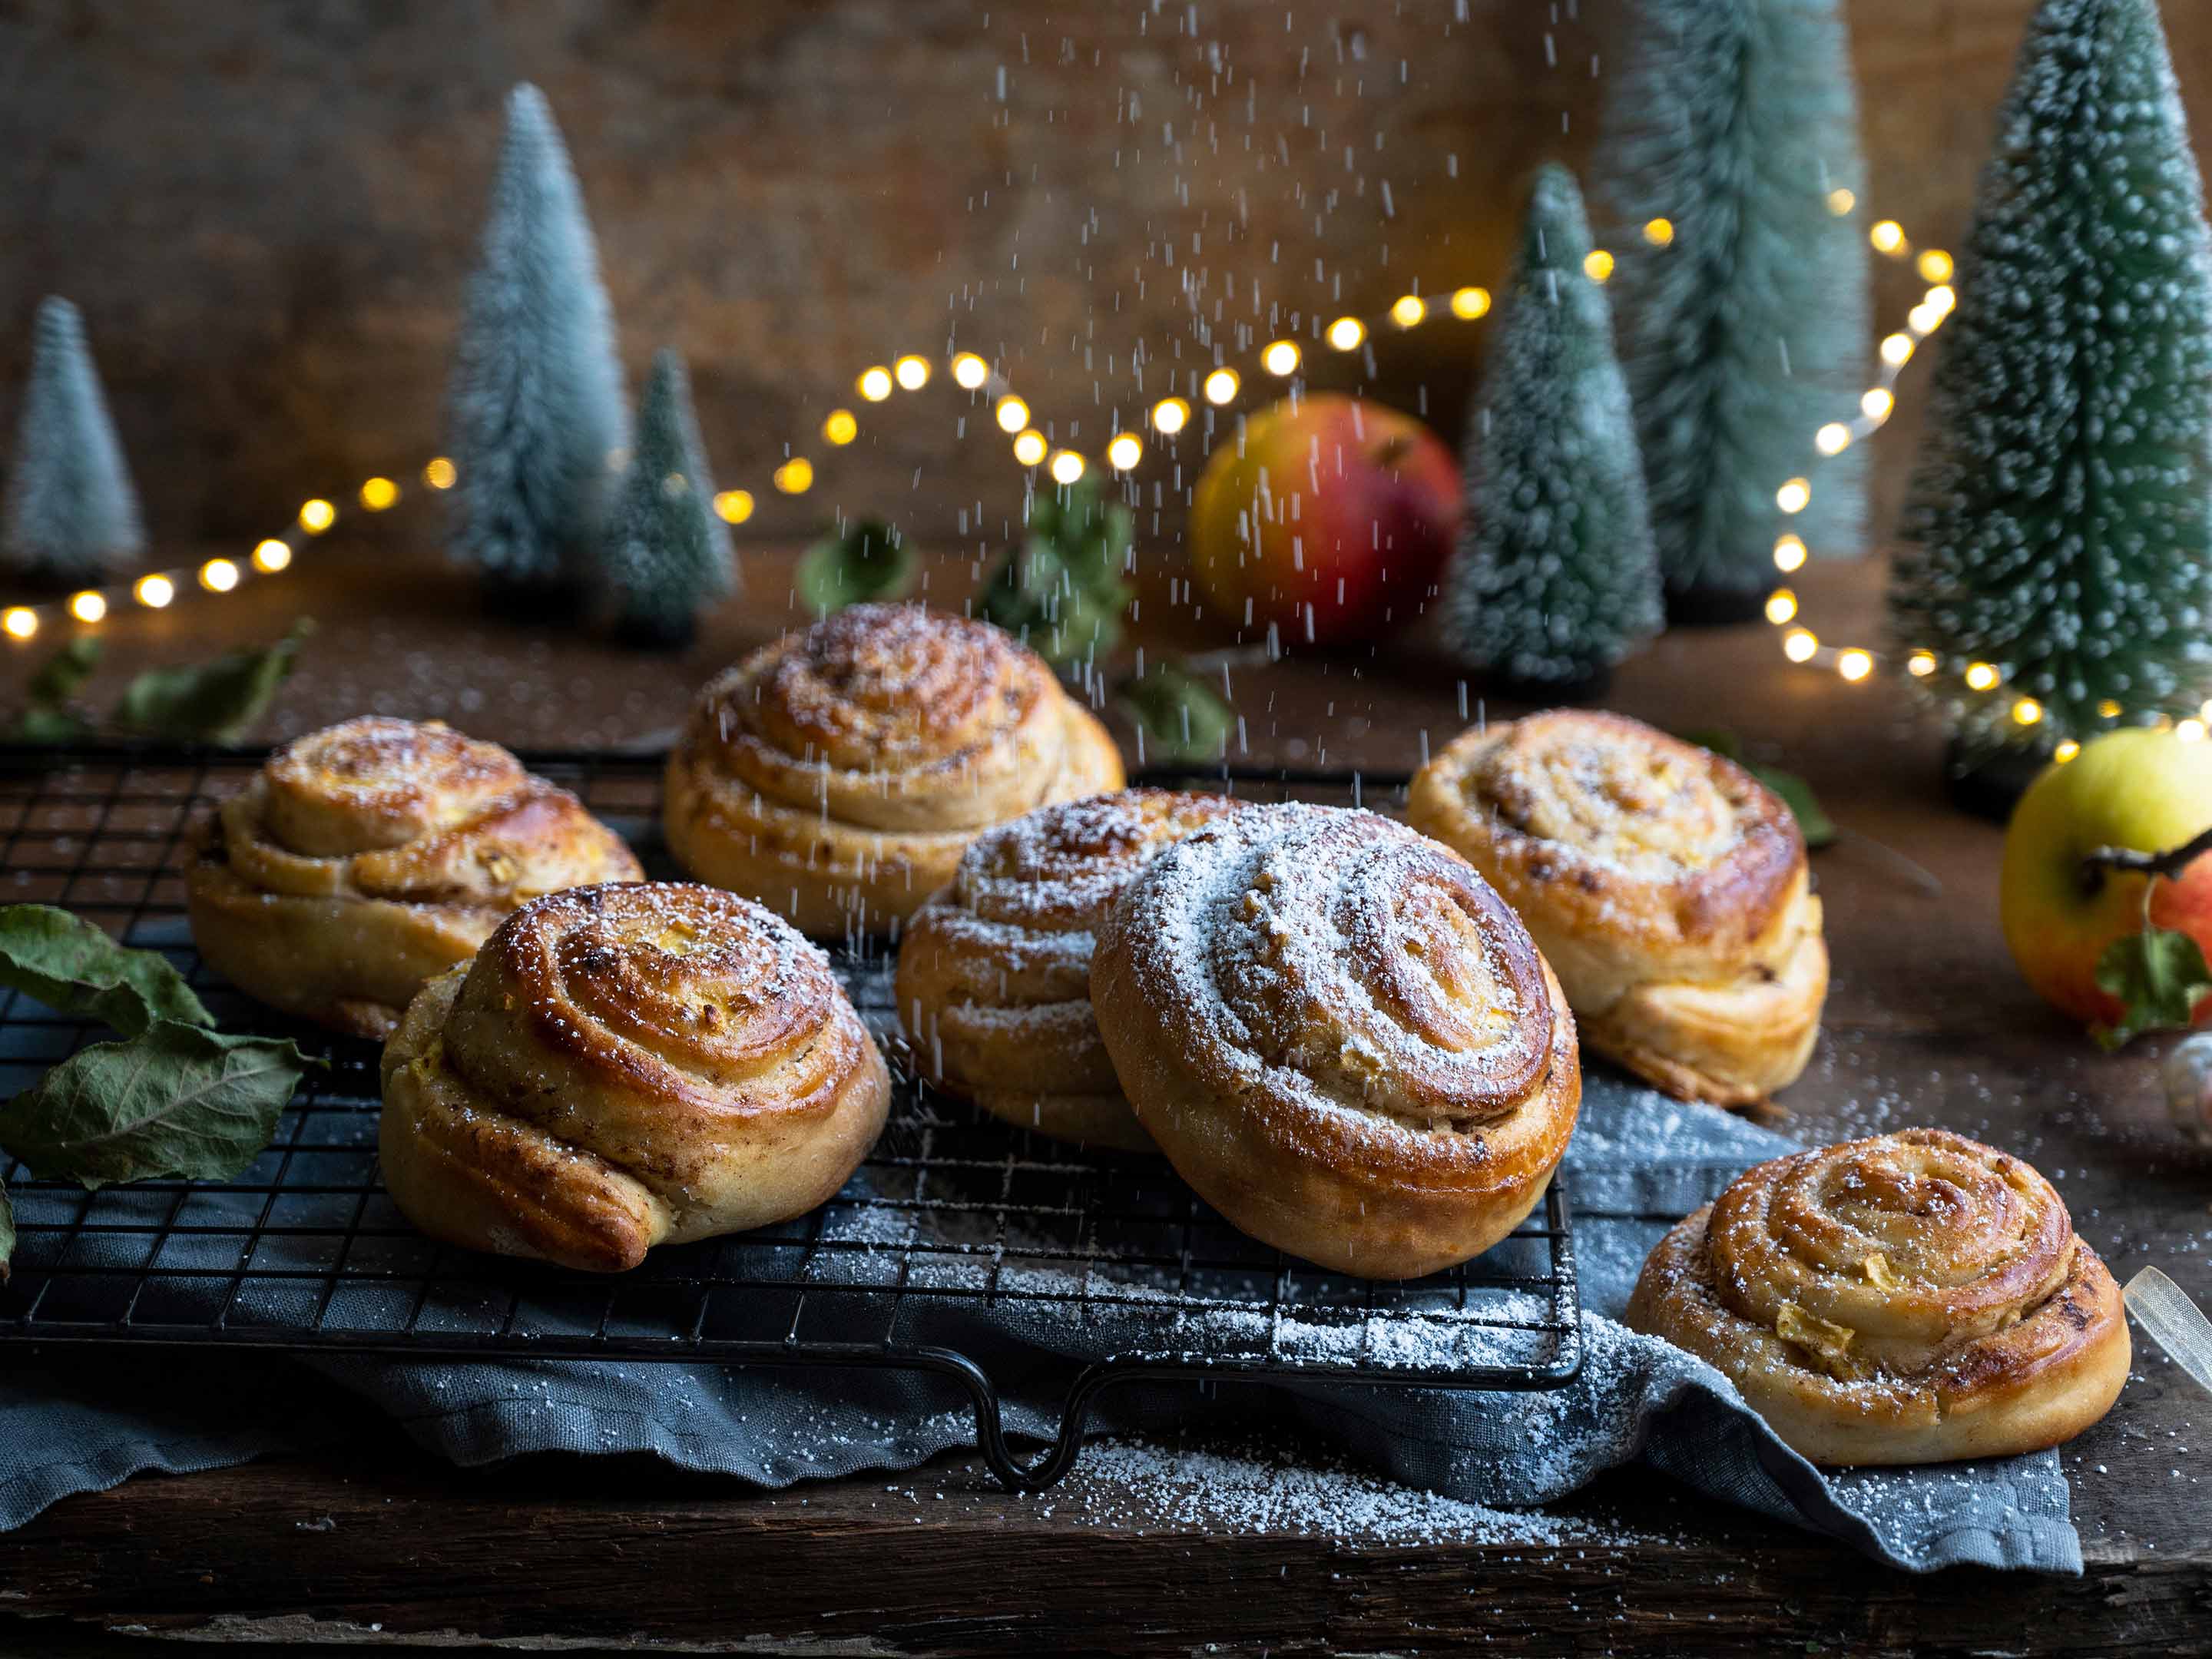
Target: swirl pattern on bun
x: 838, y: 774
x: 623, y: 1066
x: 364, y: 859
x: 1912, y: 1297
x: 994, y: 980
x: 1666, y: 885
x: 1341, y: 1036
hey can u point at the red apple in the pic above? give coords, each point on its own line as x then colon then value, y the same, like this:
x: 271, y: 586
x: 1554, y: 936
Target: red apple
x: 1328, y: 517
x: 2150, y: 791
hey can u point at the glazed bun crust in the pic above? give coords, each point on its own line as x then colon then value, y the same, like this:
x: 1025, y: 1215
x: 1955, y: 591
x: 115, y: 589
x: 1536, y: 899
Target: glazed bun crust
x: 1341, y: 1036
x: 994, y: 983
x: 623, y: 1066
x: 1913, y: 1297
x: 365, y: 859
x: 1666, y: 885
x: 838, y: 774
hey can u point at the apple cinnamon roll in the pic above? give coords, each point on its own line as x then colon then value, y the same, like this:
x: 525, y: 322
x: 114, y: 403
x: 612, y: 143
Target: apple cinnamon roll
x: 623, y: 1066
x: 994, y: 981
x: 1914, y: 1298
x: 1666, y: 885
x: 364, y: 859
x: 838, y: 774
x: 1341, y: 1036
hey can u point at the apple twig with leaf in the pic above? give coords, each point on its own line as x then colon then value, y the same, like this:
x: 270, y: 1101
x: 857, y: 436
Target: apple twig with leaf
x: 2159, y: 973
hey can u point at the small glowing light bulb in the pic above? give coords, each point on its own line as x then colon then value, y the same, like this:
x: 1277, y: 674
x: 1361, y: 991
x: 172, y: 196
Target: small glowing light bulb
x: 795, y: 477
x: 218, y: 575
x: 1877, y: 403
x: 155, y: 592
x: 2109, y: 709
x: 1067, y: 467
x: 2066, y: 751
x: 1789, y: 553
x: 316, y: 516
x: 1897, y: 350
x: 1469, y: 303
x: 874, y: 384
x: 1597, y: 264
x: 969, y: 371
x: 1781, y: 606
x: 1920, y: 664
x: 1794, y: 496
x: 841, y: 428
x: 1030, y: 448
x: 1934, y: 265
x: 1125, y: 450
x: 734, y: 506
x: 1407, y: 310
x: 1923, y: 320
x: 911, y: 372
x: 272, y: 556
x: 1942, y: 299
x: 1887, y: 236
x: 1012, y: 414
x: 1832, y: 438
x: 88, y: 606
x: 1345, y: 333
x: 20, y: 622
x: 2026, y: 712
x: 1841, y: 202
x: 2190, y: 731
x: 377, y: 494
x: 1171, y: 415
x: 1221, y: 386
x: 1982, y: 676
x: 1659, y: 232
x: 439, y: 474
x: 1855, y: 664
x: 1799, y: 645
x: 1280, y: 358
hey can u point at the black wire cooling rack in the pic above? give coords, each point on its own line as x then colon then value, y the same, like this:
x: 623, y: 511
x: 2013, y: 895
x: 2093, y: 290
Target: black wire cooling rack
x: 958, y: 1236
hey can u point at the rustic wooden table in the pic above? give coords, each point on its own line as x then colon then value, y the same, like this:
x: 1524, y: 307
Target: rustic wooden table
x: 1928, y: 1022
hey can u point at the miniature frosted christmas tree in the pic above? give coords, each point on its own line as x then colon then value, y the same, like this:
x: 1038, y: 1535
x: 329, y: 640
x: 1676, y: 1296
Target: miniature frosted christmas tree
x: 1731, y: 127
x: 2058, y: 529
x: 1555, y: 580
x: 534, y: 414
x: 667, y: 556
x: 71, y: 515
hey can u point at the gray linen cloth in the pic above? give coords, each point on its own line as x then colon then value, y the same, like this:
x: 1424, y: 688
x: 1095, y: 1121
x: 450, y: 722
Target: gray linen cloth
x: 72, y: 1423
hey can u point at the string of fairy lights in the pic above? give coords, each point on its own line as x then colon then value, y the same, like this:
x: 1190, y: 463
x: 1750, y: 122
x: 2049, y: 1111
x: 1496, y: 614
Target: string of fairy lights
x: 1219, y: 387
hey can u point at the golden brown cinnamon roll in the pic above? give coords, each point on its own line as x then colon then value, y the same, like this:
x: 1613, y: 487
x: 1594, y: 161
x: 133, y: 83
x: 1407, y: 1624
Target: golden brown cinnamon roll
x: 1340, y: 1037
x: 838, y: 774
x: 364, y: 859
x: 1665, y: 884
x: 1912, y: 1299
x: 623, y: 1066
x: 994, y: 974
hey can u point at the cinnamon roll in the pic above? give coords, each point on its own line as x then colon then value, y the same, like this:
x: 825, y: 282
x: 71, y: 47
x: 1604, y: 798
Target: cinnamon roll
x: 1341, y: 1036
x: 994, y: 980
x: 1915, y: 1297
x: 623, y: 1066
x: 838, y: 774
x: 1666, y: 885
x: 364, y: 859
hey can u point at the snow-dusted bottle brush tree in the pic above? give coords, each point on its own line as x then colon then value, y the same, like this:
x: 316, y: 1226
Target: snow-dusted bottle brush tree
x: 667, y: 554
x: 536, y: 420
x: 1730, y: 129
x: 1554, y: 582
x: 71, y: 515
x: 2057, y: 556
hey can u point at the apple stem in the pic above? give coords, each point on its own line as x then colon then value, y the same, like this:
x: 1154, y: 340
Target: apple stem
x: 2169, y: 863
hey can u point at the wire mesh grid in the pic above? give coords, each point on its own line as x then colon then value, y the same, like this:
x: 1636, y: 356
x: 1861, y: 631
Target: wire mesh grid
x: 957, y: 1236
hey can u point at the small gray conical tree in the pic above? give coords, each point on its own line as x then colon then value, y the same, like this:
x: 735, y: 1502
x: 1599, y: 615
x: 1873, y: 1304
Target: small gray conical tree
x: 534, y: 414
x: 1745, y: 315
x: 1555, y: 580
x: 667, y: 556
x: 2060, y: 525
x: 71, y: 515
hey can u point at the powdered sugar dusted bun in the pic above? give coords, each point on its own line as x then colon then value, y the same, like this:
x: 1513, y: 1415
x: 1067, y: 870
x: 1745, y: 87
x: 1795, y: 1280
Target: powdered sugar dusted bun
x: 625, y: 1066
x: 837, y: 775
x: 1666, y: 885
x: 364, y: 859
x: 1912, y: 1299
x: 994, y: 980
x: 1340, y: 1037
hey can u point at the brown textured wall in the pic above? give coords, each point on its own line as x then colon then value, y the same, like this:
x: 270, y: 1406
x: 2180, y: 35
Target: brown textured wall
x: 265, y: 210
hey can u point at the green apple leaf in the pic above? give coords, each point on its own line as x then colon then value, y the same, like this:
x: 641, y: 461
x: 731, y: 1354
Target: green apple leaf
x: 871, y: 560
x: 216, y: 701
x: 2159, y: 976
x: 1060, y: 589
x: 61, y: 675
x: 74, y: 968
x: 52, y: 728
x: 1180, y: 718
x: 1794, y: 793
x: 173, y: 1101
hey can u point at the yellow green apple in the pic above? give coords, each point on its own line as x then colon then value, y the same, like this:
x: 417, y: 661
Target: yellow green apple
x: 2146, y: 790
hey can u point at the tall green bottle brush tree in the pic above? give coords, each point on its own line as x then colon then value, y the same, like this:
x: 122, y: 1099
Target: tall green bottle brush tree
x: 1742, y: 294
x: 2059, y: 526
x: 70, y: 515
x: 666, y: 556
